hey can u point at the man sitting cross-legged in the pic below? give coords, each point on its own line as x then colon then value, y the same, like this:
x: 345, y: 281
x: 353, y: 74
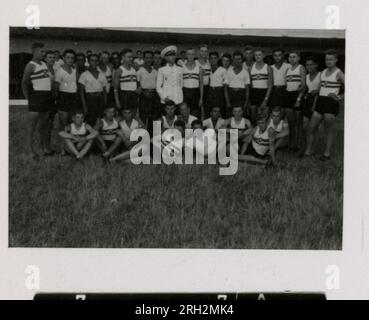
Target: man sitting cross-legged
x: 108, y: 139
x: 78, y: 136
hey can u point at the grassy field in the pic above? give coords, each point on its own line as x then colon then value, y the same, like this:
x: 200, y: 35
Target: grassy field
x: 57, y: 202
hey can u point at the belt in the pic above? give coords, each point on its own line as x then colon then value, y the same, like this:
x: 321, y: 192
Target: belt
x: 95, y: 94
x: 216, y: 88
x: 237, y: 89
x: 279, y: 87
x: 150, y: 90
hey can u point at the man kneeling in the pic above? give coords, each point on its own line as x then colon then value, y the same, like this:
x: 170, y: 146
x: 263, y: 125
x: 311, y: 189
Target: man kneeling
x: 78, y: 136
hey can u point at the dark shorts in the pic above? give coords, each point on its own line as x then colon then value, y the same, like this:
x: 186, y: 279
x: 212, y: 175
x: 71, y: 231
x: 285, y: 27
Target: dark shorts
x: 307, y: 105
x: 95, y: 107
x: 257, y: 96
x: 278, y: 97
x: 291, y: 100
x: 327, y: 105
x: 252, y: 152
x: 191, y: 97
x: 205, y: 94
x: 40, y: 101
x: 237, y: 97
x: 67, y: 102
x: 128, y: 99
x: 149, y: 105
x: 110, y: 98
x: 215, y: 99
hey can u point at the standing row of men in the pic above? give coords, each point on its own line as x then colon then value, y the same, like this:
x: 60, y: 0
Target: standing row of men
x: 240, y: 80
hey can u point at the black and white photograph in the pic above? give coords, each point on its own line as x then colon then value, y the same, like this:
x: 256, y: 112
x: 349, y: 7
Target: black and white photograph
x: 270, y: 101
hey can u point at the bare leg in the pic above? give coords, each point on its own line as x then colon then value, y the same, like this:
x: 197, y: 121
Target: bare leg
x: 113, y: 147
x: 246, y: 143
x: 298, y: 120
x: 291, y: 122
x: 43, y: 131
x: 254, y: 110
x: 33, y: 118
x: 280, y: 143
x: 122, y: 156
x: 250, y: 158
x: 71, y: 147
x: 311, y: 130
x: 87, y: 146
x: 329, y: 123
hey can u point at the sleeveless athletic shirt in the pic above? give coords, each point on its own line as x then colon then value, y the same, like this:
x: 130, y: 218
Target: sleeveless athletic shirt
x: 278, y: 128
x: 313, y: 85
x: 80, y: 132
x: 293, y: 78
x: 109, y: 131
x: 279, y: 75
x: 260, y: 141
x: 108, y: 75
x: 128, y: 79
x: 191, y: 78
x: 165, y: 123
x: 329, y: 84
x: 40, y: 77
x: 127, y: 130
x: 259, y: 78
x: 206, y: 71
x: 241, y: 125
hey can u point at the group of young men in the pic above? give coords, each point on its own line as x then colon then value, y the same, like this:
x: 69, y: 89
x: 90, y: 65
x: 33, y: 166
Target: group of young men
x: 100, y: 99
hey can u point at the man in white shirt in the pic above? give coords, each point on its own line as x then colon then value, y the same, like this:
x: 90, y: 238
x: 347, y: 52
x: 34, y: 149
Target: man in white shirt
x: 218, y: 80
x: 185, y: 115
x: 170, y: 78
x: 93, y: 90
x: 237, y: 85
x: 149, y: 99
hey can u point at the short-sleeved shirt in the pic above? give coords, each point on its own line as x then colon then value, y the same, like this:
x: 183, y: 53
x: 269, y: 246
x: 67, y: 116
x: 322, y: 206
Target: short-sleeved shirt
x: 67, y: 81
x: 147, y: 79
x: 91, y: 83
x: 219, y: 77
x: 238, y: 80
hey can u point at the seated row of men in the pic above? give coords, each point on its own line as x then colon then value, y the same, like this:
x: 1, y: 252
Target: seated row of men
x: 112, y: 133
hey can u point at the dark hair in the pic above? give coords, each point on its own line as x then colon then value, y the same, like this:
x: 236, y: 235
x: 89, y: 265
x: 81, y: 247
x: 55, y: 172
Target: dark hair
x: 138, y: 51
x: 93, y: 55
x: 294, y: 51
x: 170, y: 103
x: 49, y: 52
x: 108, y: 107
x: 69, y: 51
x: 78, y: 111
x: 37, y: 45
x: 227, y: 55
x: 259, y: 49
x: 184, y: 51
x: 204, y: 46
x: 195, y: 122
x: 81, y: 54
x: 104, y: 52
x: 147, y: 52
x: 237, y: 53
x: 124, y: 51
x: 214, y: 53
x: 277, y: 109
x: 157, y: 52
x: 331, y: 52
x: 179, y: 123
x: 115, y: 53
x: 56, y: 51
x: 249, y: 48
x: 278, y: 50
x: 311, y: 58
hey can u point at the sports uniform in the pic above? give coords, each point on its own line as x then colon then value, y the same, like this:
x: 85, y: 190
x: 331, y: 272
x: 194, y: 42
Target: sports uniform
x: 67, y: 99
x: 109, y: 77
x: 78, y: 132
x: 259, y: 84
x: 237, y: 83
x: 191, y: 88
x: 127, y: 129
x: 128, y: 86
x: 278, y: 128
x: 293, y: 82
x: 209, y: 124
x: 216, y: 90
x: 165, y: 124
x: 189, y: 121
x: 312, y: 85
x: 259, y: 146
x: 278, y: 94
x: 328, y: 84
x: 94, y: 88
x: 40, y: 96
x: 108, y: 131
x: 149, y: 99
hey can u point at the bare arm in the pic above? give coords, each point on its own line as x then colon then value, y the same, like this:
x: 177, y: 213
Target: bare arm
x: 65, y: 134
x: 83, y: 98
x: 93, y: 133
x: 271, y: 144
x: 26, y: 80
x: 116, y: 86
